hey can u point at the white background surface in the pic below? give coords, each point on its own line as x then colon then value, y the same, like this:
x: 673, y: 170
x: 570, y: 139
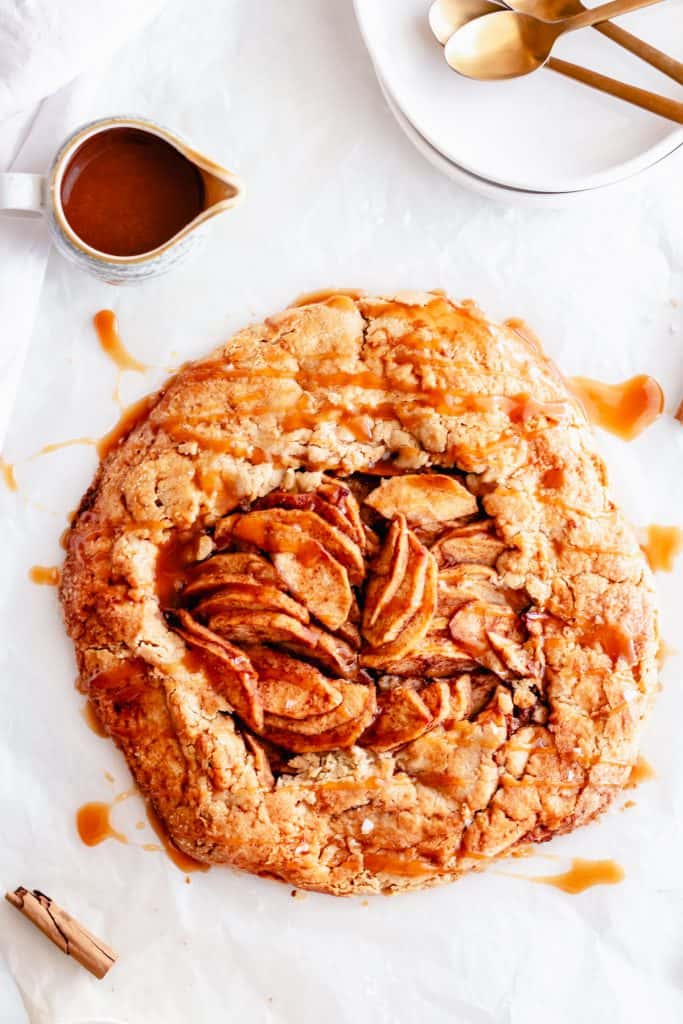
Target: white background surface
x: 285, y: 95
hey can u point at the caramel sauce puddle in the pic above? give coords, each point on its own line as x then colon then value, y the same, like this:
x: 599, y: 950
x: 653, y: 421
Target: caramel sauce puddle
x: 661, y: 546
x: 181, y: 860
x: 45, y: 575
x: 107, y: 329
x: 641, y: 771
x: 624, y: 409
x: 94, y: 826
x: 129, y: 419
x: 92, y: 721
x: 93, y: 821
x: 582, y: 875
x: 7, y: 470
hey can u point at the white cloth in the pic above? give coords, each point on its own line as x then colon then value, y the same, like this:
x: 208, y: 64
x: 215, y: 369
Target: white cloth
x: 44, y: 44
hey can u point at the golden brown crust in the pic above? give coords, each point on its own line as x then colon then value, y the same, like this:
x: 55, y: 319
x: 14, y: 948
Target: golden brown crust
x: 509, y: 660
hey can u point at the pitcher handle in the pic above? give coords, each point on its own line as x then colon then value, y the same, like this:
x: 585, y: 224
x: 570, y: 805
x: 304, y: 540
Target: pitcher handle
x: 22, y: 193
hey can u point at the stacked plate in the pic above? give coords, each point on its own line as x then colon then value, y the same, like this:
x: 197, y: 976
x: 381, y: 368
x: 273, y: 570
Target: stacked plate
x: 538, y: 140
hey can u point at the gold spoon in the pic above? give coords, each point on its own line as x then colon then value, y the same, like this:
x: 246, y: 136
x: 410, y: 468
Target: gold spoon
x: 555, y: 10
x: 446, y: 16
x: 506, y: 44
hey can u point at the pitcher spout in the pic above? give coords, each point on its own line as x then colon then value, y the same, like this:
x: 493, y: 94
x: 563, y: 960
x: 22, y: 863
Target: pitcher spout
x: 222, y: 188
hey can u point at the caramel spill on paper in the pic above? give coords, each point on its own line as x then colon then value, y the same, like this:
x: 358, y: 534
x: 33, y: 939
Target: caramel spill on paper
x: 47, y: 449
x: 640, y: 772
x: 129, y: 419
x: 661, y: 546
x: 7, y: 470
x: 181, y: 860
x: 665, y: 651
x: 93, y: 821
x: 624, y: 409
x: 323, y: 295
x: 107, y: 329
x: 582, y: 875
x: 91, y: 719
x: 45, y: 575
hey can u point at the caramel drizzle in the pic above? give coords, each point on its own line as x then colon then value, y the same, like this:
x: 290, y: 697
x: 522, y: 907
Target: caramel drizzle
x: 7, y: 470
x: 107, y: 329
x: 358, y: 418
x: 661, y: 546
x: 130, y: 418
x: 582, y: 875
x: 641, y: 771
x: 624, y: 409
x: 93, y: 821
x: 326, y: 296
x: 181, y: 860
x: 47, y: 449
x: 44, y: 575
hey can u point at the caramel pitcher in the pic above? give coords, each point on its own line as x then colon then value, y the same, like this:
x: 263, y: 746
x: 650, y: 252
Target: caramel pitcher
x: 125, y: 198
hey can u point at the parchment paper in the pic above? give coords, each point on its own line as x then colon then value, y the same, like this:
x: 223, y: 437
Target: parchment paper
x: 285, y: 95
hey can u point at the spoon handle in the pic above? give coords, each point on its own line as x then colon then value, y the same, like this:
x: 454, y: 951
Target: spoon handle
x: 650, y: 54
x: 661, y: 105
x: 603, y: 13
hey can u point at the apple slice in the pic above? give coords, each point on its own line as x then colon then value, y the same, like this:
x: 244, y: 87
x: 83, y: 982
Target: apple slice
x: 344, y: 499
x: 321, y: 584
x: 336, y: 730
x: 292, y: 530
x: 239, y: 565
x: 416, y: 628
x: 244, y: 595
x: 406, y: 596
x: 403, y: 716
x: 262, y: 767
x: 387, y: 573
x: 474, y: 543
x: 228, y: 669
x: 328, y: 651
x: 436, y: 657
x: 475, y: 624
x: 423, y: 498
x: 332, y: 502
x: 463, y: 583
x: 252, y: 628
x: 437, y: 697
x: 291, y: 688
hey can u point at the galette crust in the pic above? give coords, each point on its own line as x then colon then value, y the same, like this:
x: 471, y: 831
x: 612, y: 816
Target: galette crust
x: 477, y: 633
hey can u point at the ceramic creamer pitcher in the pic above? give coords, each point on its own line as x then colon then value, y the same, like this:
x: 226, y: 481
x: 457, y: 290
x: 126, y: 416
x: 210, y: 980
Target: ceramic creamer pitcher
x: 125, y: 198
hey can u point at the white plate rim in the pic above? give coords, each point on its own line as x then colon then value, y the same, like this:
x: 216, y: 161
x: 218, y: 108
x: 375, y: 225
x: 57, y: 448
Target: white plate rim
x: 490, y: 189
x: 472, y: 182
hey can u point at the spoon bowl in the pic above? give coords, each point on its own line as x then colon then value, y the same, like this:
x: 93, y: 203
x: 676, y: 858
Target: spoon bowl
x: 500, y: 45
x: 507, y: 44
x: 447, y: 16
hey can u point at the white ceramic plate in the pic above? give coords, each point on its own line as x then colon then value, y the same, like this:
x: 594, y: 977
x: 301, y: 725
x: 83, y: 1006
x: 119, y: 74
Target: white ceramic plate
x: 541, y: 133
x: 499, y: 193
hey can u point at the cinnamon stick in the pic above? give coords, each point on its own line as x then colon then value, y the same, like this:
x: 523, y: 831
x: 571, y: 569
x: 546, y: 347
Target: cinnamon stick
x: 63, y: 930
